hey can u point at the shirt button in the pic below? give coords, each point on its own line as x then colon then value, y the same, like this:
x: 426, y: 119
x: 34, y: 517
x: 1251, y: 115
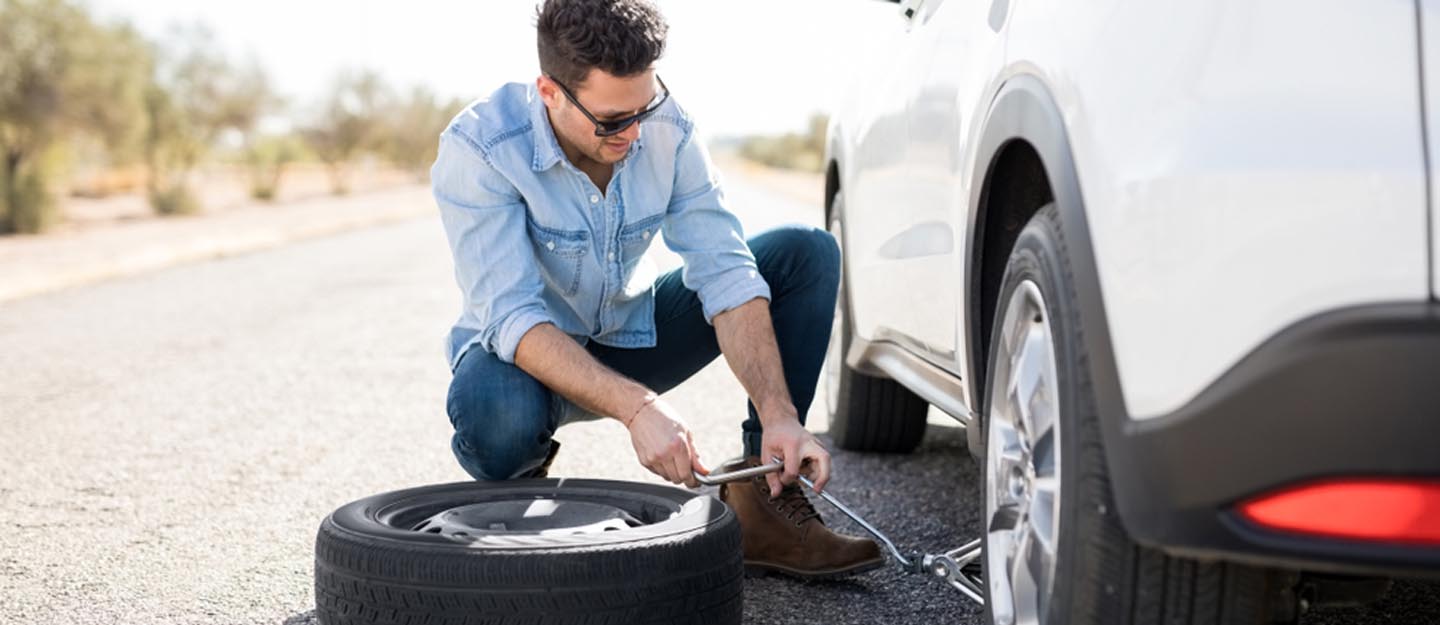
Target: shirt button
x: 594, y: 199
x: 550, y: 245
x: 610, y: 256
x: 645, y: 235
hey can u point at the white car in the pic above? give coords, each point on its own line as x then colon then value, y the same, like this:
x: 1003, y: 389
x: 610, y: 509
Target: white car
x: 1172, y: 264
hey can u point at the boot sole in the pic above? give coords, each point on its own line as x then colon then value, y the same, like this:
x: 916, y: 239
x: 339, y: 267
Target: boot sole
x: 755, y: 570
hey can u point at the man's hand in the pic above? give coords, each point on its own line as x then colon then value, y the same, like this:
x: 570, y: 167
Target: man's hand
x: 664, y: 445
x: 747, y: 338
x: 801, y: 452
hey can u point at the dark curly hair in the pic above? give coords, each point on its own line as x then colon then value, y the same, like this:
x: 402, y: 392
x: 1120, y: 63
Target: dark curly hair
x: 620, y: 37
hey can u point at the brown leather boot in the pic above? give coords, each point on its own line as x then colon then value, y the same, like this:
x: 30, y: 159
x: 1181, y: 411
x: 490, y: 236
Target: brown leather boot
x: 785, y: 534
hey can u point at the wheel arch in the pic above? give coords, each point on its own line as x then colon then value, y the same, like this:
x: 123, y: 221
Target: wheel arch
x: 1025, y: 161
x: 1015, y: 188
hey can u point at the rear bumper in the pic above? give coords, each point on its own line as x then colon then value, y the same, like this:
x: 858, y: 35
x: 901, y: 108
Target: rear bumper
x: 1351, y: 393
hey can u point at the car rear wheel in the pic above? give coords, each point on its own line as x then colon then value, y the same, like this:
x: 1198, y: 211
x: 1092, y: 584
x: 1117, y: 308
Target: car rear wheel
x: 867, y: 413
x: 1054, y: 550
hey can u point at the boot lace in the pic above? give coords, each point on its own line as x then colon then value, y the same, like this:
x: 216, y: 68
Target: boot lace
x: 793, y: 503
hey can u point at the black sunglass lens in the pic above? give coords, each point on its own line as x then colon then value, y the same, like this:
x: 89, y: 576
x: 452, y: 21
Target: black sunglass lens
x: 607, y: 129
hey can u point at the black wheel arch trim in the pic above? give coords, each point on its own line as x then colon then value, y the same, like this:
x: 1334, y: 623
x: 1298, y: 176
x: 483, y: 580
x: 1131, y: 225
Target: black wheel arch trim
x: 1176, y: 478
x: 1023, y: 110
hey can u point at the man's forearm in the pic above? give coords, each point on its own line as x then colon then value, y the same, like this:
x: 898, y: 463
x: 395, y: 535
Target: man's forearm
x: 565, y: 367
x: 747, y: 338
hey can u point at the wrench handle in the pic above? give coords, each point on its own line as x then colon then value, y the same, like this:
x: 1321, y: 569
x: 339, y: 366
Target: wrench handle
x: 743, y: 474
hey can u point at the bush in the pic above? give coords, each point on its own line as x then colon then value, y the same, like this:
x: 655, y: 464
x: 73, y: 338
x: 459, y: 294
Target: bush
x: 62, y: 75
x: 266, y: 161
x: 174, y: 200
x: 32, y: 208
x: 408, y: 130
x: 804, y: 152
x: 350, y: 121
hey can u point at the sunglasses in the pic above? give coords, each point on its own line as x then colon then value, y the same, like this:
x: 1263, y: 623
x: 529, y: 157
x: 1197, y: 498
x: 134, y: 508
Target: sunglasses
x: 610, y: 128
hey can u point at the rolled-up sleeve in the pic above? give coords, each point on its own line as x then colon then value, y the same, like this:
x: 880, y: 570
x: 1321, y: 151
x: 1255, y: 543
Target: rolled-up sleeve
x: 495, y: 266
x: 719, y: 266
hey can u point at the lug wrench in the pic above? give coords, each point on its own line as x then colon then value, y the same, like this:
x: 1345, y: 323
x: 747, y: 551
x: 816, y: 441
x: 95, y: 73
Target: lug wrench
x: 958, y: 567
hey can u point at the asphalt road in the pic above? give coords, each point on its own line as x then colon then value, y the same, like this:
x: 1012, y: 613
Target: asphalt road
x: 171, y: 441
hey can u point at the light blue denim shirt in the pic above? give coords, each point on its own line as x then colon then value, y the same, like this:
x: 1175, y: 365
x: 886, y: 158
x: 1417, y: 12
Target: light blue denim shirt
x: 535, y: 241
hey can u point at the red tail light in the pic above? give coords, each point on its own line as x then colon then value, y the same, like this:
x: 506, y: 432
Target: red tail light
x: 1384, y: 510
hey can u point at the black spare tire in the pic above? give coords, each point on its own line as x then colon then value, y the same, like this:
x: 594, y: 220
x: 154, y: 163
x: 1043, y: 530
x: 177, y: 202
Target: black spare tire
x: 530, y: 551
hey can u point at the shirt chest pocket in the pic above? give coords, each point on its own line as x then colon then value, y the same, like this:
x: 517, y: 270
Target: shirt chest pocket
x: 561, y: 254
x: 635, y: 237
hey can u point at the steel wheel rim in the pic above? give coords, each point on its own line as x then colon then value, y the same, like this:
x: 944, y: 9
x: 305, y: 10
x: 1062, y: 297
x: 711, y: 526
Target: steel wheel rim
x: 528, y: 516
x: 833, y: 358
x: 1022, y: 478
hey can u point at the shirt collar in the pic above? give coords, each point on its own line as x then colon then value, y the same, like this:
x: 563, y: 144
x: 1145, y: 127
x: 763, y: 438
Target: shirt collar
x: 547, y: 149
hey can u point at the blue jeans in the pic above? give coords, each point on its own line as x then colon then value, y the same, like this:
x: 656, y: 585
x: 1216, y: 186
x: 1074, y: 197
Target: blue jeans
x: 504, y: 419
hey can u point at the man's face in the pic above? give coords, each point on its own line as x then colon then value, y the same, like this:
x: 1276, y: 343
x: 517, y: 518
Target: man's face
x: 607, y: 97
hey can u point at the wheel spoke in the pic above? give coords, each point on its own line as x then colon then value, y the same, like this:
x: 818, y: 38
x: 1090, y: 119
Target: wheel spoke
x: 1043, y: 511
x: 1023, y: 581
x: 1010, y: 340
x: 1040, y: 565
x: 1047, y: 486
x: 1040, y: 410
x: 1031, y: 378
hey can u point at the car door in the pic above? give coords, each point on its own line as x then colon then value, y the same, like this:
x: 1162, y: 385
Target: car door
x: 875, y: 188
x: 949, y: 59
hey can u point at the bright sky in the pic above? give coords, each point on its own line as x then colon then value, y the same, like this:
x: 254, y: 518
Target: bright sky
x: 739, y: 66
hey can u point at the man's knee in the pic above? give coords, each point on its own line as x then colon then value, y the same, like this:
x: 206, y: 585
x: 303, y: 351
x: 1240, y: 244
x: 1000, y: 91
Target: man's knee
x: 799, y: 251
x: 501, y: 419
x: 499, y: 453
x: 499, y: 441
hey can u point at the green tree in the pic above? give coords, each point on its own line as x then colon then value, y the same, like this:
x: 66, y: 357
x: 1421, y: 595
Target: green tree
x: 61, y: 74
x: 245, y: 97
x: 193, y: 96
x: 412, y: 130
x: 350, y: 120
x: 246, y: 101
x: 266, y: 158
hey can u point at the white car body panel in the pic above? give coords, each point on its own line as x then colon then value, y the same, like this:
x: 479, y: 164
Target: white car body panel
x: 1244, y: 165
x: 915, y: 172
